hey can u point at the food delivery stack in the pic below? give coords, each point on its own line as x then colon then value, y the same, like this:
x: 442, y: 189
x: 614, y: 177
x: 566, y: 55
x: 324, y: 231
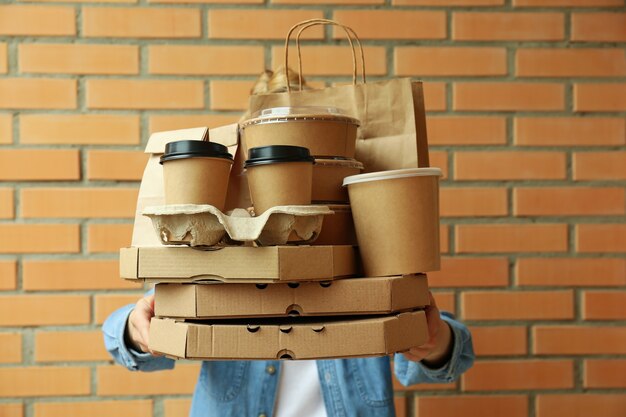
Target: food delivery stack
x: 266, y: 240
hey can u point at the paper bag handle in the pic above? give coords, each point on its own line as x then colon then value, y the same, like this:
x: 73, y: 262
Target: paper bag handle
x: 350, y: 33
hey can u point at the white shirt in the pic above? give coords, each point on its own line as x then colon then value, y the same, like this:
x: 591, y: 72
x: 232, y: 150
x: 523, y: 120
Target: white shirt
x: 299, y: 391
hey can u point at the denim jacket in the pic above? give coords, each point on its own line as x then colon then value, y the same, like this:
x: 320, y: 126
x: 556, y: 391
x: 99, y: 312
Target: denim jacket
x: 358, y: 387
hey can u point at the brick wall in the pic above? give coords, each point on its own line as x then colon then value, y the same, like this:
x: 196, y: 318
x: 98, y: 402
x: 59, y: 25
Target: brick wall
x: 526, y: 102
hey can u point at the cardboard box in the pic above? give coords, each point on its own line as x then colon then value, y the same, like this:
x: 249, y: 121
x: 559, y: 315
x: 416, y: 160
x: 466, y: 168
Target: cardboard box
x: 239, y: 264
x: 380, y: 295
x: 290, y: 338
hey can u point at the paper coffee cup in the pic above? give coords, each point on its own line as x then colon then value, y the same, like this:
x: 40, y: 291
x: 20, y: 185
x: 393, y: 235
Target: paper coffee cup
x: 279, y: 175
x: 328, y: 175
x: 396, y: 217
x: 337, y: 228
x: 196, y: 172
x: 324, y: 131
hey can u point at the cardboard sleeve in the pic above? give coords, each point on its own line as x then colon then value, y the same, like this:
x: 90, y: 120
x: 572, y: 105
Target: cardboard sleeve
x: 289, y: 338
x: 382, y: 295
x: 239, y: 264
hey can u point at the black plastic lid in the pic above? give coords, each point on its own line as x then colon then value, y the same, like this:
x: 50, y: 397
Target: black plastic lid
x: 276, y: 154
x: 194, y: 149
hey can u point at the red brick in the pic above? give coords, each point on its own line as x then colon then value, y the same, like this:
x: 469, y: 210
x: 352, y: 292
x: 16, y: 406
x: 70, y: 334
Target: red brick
x: 579, y: 340
x: 509, y: 96
x: 42, y: 310
x: 509, y: 165
x: 40, y: 238
x: 447, y: 2
x: 108, y: 238
x: 446, y: 301
x: 317, y: 2
x: 37, y: 93
x: 399, y: 404
x: 67, y: 275
x: 78, y: 58
x: 439, y: 159
x: 145, y: 94
x: 175, y: 407
x: 473, y: 202
x: 7, y: 203
x: 599, y: 97
x: 108, y: 303
x: 78, y: 202
x: 230, y: 95
x: 552, y: 62
x: 470, y: 272
x: 567, y: 3
x: 444, y: 238
x: 21, y: 20
x: 581, y: 405
x: 571, y: 272
x: 607, y: 166
x: 115, y: 380
x: 450, y: 61
x: 71, y: 346
x: 81, y: 129
x: 48, y: 381
x: 519, y: 375
x: 8, y: 276
x: 39, y: 165
x: 12, y: 410
x: 332, y: 60
x: 140, y: 22
x: 116, y: 165
x: 135, y: 408
x: 454, y: 130
x: 499, y: 340
x: 570, y: 131
x: 518, y: 305
x: 508, y: 26
x: 259, y: 24
x: 435, y: 96
x: 569, y: 201
x: 604, y: 305
x: 504, y: 238
x: 604, y: 373
x: 10, y: 349
x: 601, y: 238
x: 205, y: 60
x: 6, y: 129
x: 599, y: 27
x: 164, y: 122
x: 472, y: 406
x: 4, y: 59
x: 392, y: 24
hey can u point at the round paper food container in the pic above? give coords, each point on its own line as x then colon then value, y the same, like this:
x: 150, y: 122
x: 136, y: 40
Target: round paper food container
x: 328, y: 175
x: 324, y: 131
x: 396, y: 217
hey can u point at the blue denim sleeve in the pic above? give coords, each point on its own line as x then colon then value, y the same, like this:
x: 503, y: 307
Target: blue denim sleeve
x: 409, y: 372
x: 114, y: 328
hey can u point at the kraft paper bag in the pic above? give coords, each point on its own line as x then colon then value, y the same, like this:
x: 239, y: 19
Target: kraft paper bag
x: 392, y: 134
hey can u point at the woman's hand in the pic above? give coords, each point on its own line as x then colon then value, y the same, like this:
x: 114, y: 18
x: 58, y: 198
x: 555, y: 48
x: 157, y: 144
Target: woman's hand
x: 138, y: 326
x: 437, y: 350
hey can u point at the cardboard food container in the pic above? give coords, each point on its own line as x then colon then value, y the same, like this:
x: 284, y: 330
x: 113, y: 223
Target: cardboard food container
x: 239, y: 264
x: 396, y: 217
x: 338, y: 228
x: 323, y: 130
x: 328, y: 175
x: 380, y: 295
x: 205, y: 225
x: 289, y: 338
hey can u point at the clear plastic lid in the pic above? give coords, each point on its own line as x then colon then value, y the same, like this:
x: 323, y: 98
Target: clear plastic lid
x: 279, y: 114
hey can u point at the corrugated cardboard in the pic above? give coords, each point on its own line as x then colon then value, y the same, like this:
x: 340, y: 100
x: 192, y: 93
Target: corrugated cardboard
x: 239, y: 264
x: 381, y: 295
x: 290, y: 338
